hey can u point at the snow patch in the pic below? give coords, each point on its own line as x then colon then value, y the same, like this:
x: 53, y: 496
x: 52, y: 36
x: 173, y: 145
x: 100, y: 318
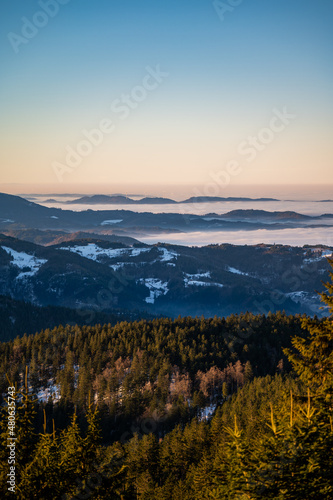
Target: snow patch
x: 156, y: 287
x: 137, y: 251
x: 298, y: 296
x: 207, y: 412
x: 194, y: 280
x: 117, y: 266
x: 107, y: 222
x: 201, y: 283
x: 167, y: 254
x: 94, y: 252
x: 52, y: 390
x: 321, y: 254
x: 23, y: 260
x: 236, y: 271
x: 198, y: 275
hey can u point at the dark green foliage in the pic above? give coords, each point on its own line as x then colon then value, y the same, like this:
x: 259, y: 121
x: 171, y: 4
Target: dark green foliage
x: 149, y: 369
x: 18, y: 317
x: 271, y: 435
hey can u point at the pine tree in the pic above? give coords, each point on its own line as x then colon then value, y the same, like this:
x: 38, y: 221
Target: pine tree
x: 24, y: 433
x: 92, y: 437
x: 313, y: 363
x: 41, y: 477
x: 67, y: 378
x: 232, y: 467
x: 25, y: 422
x: 292, y: 461
x: 70, y: 456
x: 312, y: 357
x: 327, y: 297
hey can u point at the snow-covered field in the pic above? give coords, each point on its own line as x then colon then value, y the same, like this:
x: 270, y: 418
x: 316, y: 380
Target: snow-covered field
x: 94, y: 252
x: 23, y: 260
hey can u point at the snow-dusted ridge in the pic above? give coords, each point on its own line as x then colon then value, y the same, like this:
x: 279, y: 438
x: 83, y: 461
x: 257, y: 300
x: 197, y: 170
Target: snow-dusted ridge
x: 95, y: 252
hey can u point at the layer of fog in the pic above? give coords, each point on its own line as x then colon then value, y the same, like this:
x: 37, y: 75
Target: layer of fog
x: 302, y: 207
x: 294, y: 237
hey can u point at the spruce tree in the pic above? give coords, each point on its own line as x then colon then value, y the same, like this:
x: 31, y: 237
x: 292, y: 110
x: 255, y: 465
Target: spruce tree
x: 41, y: 477
x: 312, y: 357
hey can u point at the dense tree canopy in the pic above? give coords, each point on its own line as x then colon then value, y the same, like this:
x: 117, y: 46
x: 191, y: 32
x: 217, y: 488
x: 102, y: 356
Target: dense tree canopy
x: 234, y: 408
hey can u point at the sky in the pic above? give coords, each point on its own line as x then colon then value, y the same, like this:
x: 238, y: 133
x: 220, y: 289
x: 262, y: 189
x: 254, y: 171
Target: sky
x: 109, y: 96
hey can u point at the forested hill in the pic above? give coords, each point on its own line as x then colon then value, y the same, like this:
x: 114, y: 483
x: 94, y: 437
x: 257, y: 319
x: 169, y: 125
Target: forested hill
x: 164, y: 280
x: 191, y: 408
x: 134, y: 369
x: 19, y: 317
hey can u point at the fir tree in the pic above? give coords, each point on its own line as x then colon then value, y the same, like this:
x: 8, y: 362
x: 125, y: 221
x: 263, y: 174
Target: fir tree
x: 312, y: 357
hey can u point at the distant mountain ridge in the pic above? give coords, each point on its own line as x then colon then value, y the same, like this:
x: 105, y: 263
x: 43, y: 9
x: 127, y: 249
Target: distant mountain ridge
x: 210, y: 199
x: 100, y: 199
x: 154, y: 200
x: 16, y: 213
x: 252, y: 214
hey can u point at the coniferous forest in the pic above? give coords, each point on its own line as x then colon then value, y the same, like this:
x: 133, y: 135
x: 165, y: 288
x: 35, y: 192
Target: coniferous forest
x: 166, y: 250
x: 191, y: 408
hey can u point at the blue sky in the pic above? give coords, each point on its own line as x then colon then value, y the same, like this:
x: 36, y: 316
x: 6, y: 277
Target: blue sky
x: 224, y: 79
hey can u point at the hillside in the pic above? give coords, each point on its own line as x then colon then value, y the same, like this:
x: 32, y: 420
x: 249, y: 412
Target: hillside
x: 50, y: 237
x: 18, y: 317
x: 153, y: 408
x: 164, y: 279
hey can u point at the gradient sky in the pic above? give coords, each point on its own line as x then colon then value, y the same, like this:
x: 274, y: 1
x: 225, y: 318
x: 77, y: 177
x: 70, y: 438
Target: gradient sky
x: 225, y: 78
